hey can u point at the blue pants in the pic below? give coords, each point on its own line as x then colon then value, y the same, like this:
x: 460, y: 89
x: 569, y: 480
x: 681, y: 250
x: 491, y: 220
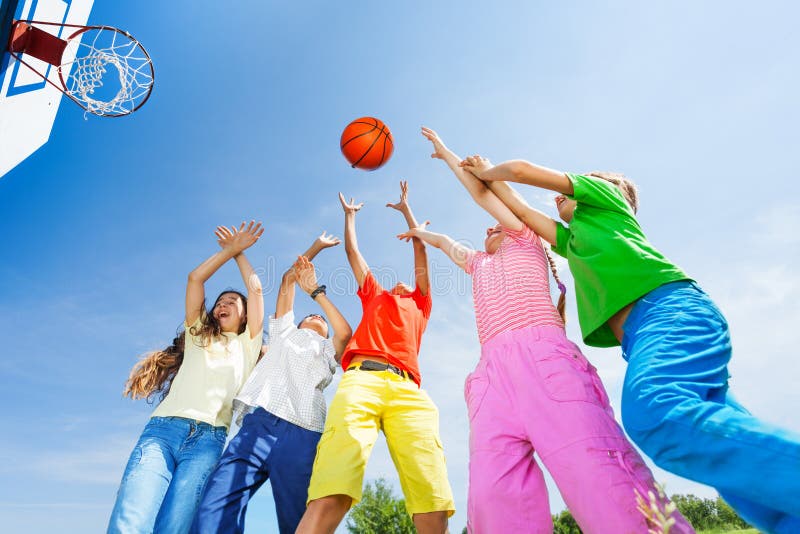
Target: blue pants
x: 676, y: 407
x: 165, y: 476
x: 265, y: 447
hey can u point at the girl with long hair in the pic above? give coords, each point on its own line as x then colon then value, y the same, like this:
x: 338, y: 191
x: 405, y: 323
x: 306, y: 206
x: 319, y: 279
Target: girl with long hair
x: 196, y: 378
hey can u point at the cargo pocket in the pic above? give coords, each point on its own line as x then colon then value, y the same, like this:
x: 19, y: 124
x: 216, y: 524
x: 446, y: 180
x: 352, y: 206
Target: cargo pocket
x: 566, y: 375
x: 475, y: 388
x: 327, y: 435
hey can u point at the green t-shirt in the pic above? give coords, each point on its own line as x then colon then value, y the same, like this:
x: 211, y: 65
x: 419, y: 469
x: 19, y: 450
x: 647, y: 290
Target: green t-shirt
x: 611, y: 260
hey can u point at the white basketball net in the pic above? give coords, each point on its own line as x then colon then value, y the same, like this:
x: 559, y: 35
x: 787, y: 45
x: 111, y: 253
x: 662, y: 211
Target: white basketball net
x: 109, y: 74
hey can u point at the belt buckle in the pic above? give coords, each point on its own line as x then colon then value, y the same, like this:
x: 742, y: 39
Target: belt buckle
x: 398, y: 371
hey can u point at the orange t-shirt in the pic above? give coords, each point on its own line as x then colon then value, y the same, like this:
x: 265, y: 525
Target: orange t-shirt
x: 391, y: 326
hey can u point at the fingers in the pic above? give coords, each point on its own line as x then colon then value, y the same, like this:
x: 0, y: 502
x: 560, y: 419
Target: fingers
x: 342, y: 200
x: 430, y: 134
x: 302, y: 264
x: 329, y: 239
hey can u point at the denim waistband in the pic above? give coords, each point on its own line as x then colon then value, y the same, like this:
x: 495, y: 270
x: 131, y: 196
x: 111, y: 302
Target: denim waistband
x: 668, y: 288
x: 184, y: 420
x: 646, y: 301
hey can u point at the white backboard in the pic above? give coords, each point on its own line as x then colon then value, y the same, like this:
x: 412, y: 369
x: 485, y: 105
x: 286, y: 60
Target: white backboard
x: 28, y: 105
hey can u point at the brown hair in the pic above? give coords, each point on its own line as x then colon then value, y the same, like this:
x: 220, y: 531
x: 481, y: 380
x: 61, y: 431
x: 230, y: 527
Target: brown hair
x: 627, y: 187
x: 562, y: 289
x: 209, y: 326
x: 153, y: 374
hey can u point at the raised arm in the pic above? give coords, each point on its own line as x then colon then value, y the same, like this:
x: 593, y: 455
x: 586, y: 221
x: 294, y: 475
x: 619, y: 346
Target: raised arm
x: 195, y: 290
x: 520, y: 171
x: 454, y: 250
x: 357, y: 262
x: 237, y: 241
x: 421, y: 276
x: 537, y: 221
x: 478, y: 190
x: 285, y: 302
x: 307, y: 280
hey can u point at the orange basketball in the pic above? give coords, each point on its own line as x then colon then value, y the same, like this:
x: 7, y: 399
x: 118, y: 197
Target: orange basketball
x: 367, y: 143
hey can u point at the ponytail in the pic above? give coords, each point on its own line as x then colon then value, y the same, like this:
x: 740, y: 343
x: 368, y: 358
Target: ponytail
x: 561, y: 306
x: 153, y: 374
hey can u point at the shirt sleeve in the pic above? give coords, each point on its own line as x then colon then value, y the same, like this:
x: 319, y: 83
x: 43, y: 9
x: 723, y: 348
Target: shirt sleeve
x: 187, y: 334
x: 370, y: 288
x: 280, y: 327
x: 252, y: 347
x: 469, y: 262
x: 196, y: 324
x: 524, y: 236
x: 424, y: 302
x: 597, y: 192
x: 329, y: 353
x: 562, y: 238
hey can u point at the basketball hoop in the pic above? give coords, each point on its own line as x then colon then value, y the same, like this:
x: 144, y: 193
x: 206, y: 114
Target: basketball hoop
x: 104, y: 70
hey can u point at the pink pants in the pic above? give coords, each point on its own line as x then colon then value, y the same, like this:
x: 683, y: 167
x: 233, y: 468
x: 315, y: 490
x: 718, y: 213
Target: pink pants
x: 533, y: 391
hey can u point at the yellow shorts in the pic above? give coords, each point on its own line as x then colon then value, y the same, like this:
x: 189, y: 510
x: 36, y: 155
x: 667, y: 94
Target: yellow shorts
x: 365, y: 402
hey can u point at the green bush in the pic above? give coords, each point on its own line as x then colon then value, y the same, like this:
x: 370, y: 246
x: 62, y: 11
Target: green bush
x: 379, y: 512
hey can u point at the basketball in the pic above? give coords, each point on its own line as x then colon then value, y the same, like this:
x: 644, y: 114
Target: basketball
x: 367, y: 143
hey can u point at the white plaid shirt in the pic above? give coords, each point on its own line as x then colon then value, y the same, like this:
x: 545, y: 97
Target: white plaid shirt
x: 289, y: 379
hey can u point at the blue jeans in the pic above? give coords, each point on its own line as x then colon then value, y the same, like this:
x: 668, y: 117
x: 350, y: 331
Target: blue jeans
x: 165, y: 476
x: 265, y: 447
x: 677, y: 408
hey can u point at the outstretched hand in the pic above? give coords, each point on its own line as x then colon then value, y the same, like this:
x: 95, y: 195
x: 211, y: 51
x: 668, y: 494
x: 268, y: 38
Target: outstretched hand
x: 439, y: 150
x: 403, y: 203
x: 413, y: 232
x: 305, y: 274
x: 327, y: 240
x: 237, y: 240
x: 476, y: 164
x: 350, y: 207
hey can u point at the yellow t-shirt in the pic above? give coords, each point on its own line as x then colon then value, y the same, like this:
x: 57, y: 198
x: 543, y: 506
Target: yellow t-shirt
x: 209, y: 377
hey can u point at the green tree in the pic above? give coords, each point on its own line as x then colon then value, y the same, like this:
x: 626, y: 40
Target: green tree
x: 564, y: 523
x: 728, y: 518
x: 379, y: 512
x: 699, y: 512
x: 708, y: 514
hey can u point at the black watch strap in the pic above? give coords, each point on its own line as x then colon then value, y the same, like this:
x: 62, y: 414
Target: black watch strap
x: 320, y: 289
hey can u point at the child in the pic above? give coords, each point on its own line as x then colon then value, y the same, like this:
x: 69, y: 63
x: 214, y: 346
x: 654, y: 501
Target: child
x: 283, y: 410
x: 675, y: 400
x: 533, y: 390
x: 380, y: 391
x: 183, y: 440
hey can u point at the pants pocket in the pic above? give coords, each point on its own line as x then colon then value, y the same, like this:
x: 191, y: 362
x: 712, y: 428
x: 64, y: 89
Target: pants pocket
x: 566, y: 376
x: 475, y: 388
x: 326, y: 437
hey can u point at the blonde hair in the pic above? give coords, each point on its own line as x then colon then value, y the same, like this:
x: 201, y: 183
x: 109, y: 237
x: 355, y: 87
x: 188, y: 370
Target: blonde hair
x: 561, y: 306
x: 625, y: 186
x: 153, y: 374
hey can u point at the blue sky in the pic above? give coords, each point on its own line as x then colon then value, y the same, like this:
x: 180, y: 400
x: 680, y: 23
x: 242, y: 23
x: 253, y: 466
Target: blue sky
x: 695, y: 101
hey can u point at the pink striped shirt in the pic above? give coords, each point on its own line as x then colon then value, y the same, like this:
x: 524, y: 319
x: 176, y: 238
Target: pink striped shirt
x: 511, y: 288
